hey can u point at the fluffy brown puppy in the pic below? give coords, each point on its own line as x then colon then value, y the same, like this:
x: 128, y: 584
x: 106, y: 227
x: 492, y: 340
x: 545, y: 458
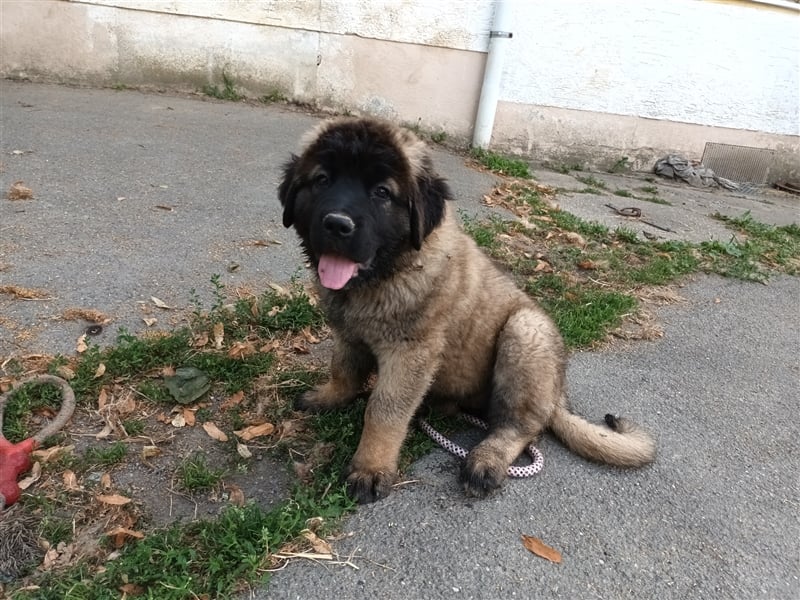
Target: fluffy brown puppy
x: 411, y: 297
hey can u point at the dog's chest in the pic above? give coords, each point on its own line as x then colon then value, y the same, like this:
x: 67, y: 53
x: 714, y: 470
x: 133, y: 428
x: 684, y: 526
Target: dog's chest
x: 388, y: 317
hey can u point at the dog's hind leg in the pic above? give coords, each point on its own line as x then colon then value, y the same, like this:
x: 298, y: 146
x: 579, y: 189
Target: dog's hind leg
x: 527, y: 385
x: 351, y: 366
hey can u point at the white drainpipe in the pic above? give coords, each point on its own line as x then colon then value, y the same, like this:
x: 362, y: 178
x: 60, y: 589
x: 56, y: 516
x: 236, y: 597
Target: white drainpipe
x: 499, y: 37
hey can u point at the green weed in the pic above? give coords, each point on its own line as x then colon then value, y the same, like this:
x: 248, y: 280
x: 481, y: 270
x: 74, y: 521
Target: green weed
x: 194, y: 474
x: 272, y: 97
x: 107, y: 455
x: 226, y: 92
x: 503, y: 165
x: 566, y: 169
x: 591, y: 181
x: 439, y: 137
x: 623, y: 164
x: 484, y: 232
x: 22, y: 404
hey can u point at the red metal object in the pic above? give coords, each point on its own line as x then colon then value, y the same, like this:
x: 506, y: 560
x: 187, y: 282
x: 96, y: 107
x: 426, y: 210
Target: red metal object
x: 15, y: 459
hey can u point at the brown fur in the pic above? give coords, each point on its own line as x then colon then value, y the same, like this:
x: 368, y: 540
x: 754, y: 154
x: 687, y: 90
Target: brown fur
x: 445, y: 326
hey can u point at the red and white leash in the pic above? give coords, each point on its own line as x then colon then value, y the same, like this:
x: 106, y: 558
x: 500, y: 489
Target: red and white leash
x: 453, y: 448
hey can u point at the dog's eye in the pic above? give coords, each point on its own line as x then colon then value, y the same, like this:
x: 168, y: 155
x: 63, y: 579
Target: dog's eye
x: 321, y: 180
x: 382, y: 192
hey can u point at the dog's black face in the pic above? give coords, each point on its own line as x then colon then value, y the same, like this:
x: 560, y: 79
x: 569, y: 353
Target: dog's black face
x: 360, y: 195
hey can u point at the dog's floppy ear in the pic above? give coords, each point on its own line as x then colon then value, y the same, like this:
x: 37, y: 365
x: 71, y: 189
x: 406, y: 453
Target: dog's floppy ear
x: 426, y: 207
x: 288, y: 190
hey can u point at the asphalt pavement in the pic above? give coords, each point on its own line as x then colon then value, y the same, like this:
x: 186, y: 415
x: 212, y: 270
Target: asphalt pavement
x: 139, y: 195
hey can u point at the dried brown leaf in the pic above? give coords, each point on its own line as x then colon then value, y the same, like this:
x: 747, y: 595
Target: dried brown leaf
x: 85, y: 314
x: 65, y: 372
x: 254, y: 431
x: 232, y: 401
x: 309, y: 337
x: 236, y: 495
x: 200, y: 340
x: 120, y: 535
x: 113, y: 499
x: 52, y: 453
x: 189, y: 417
x: 102, y: 398
x: 576, y: 239
x: 214, y: 432
x: 539, y: 548
x: 160, y: 303
x: 19, y: 191
x: 241, y: 350
x: 105, y: 481
x: 131, y: 589
x: 23, y: 292
x: 81, y: 345
x: 106, y: 431
x: 150, y: 452
x: 70, y: 481
x: 319, y: 545
x: 101, y: 369
x: 219, y: 335
x: 33, y: 477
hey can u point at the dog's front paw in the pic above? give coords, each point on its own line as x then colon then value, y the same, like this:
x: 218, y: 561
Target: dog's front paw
x: 322, y: 398
x: 481, y: 478
x: 366, y: 486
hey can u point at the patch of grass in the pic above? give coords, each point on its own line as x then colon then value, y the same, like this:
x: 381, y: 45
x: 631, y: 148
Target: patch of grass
x: 273, y: 97
x: 590, y: 283
x: 107, y: 455
x: 226, y: 92
x: 622, y: 164
x: 591, y: 181
x: 503, y: 165
x: 439, y: 137
x: 757, y: 249
x: 485, y: 231
x: 583, y: 315
x: 133, y: 427
x: 649, y: 189
x: 22, y: 404
x: 655, y: 200
x: 566, y: 169
x: 626, y: 235
x: 55, y: 530
x: 623, y: 193
x: 194, y: 474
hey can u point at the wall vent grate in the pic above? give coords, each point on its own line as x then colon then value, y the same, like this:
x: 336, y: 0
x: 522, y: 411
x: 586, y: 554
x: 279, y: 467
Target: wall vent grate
x: 742, y: 164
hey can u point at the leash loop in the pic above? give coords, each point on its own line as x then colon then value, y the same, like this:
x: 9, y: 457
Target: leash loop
x: 537, y: 460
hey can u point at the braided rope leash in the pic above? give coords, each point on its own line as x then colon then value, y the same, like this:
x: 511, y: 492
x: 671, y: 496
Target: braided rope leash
x: 453, y: 448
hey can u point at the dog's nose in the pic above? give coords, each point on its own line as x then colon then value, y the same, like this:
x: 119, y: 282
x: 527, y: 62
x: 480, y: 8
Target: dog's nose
x: 338, y: 225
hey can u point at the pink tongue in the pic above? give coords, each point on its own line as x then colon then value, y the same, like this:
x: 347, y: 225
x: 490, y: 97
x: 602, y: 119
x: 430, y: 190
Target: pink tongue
x: 335, y: 271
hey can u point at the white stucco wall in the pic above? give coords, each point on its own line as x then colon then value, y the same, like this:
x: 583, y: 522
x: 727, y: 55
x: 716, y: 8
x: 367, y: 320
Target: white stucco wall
x: 727, y: 64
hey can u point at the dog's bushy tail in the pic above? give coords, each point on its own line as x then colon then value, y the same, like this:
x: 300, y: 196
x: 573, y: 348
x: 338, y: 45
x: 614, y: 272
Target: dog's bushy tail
x: 621, y: 443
